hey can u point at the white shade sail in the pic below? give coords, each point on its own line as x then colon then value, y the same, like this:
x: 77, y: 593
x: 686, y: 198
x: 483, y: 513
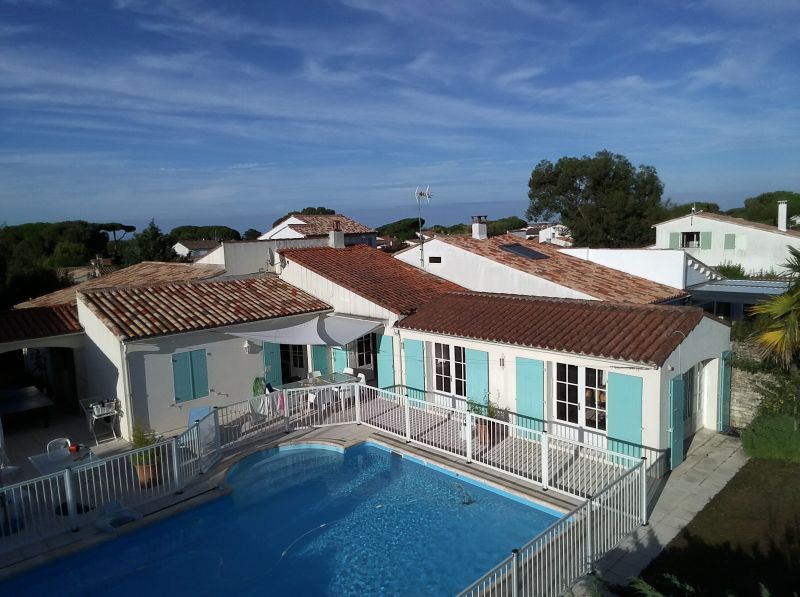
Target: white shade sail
x: 325, y: 330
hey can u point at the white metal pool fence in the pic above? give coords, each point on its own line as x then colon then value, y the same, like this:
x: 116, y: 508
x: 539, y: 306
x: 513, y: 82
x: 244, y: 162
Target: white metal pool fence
x: 613, y: 485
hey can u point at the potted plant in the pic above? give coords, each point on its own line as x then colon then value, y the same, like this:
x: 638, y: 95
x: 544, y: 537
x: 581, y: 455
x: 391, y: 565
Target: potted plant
x: 259, y: 386
x: 146, y: 462
x: 489, y: 432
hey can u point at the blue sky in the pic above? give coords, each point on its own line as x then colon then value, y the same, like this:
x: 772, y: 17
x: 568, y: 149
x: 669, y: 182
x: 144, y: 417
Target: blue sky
x: 233, y: 113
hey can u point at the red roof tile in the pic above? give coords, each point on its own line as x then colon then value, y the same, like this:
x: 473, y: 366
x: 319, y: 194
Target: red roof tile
x: 322, y: 225
x: 639, y: 333
x: 374, y: 275
x: 39, y: 322
x: 598, y: 281
x: 147, y: 272
x: 145, y: 311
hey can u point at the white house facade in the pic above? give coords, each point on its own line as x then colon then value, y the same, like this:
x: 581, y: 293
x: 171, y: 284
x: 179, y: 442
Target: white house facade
x: 717, y: 239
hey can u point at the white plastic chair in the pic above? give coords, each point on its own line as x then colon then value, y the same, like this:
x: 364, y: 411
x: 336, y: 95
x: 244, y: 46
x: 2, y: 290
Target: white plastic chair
x: 348, y: 371
x: 312, y: 398
x: 58, y: 448
x: 316, y: 374
x: 362, y: 379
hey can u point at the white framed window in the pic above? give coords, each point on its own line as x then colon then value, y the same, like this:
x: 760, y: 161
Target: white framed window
x: 690, y: 240
x: 450, y: 369
x: 364, y: 350
x: 581, y: 396
x: 297, y: 355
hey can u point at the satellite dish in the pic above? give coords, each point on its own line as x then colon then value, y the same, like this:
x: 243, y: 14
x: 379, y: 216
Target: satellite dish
x: 271, y: 259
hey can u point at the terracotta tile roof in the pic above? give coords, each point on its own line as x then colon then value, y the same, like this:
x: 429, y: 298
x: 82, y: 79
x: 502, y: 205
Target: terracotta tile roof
x: 322, y: 225
x: 598, y: 281
x: 147, y: 272
x: 38, y: 322
x: 637, y: 333
x: 374, y: 275
x: 736, y: 221
x: 146, y: 311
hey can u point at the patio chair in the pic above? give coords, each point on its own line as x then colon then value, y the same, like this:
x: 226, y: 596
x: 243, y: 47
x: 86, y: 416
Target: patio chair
x: 58, y: 449
x: 316, y: 374
x: 362, y: 379
x: 311, y: 401
x: 348, y: 371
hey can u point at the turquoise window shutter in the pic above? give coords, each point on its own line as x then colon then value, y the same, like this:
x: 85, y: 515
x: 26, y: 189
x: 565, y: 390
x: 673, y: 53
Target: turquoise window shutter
x: 339, y: 359
x: 530, y: 393
x: 414, y: 364
x: 182, y: 376
x: 477, y: 375
x: 724, y: 402
x: 272, y: 364
x: 624, y: 414
x: 385, y: 361
x: 705, y: 240
x: 319, y: 355
x: 197, y: 358
x: 676, y: 399
x: 730, y: 241
x: 674, y: 240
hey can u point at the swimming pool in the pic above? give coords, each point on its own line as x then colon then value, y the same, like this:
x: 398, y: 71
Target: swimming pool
x: 310, y: 521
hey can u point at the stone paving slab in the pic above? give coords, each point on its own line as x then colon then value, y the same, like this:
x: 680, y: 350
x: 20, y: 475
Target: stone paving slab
x: 712, y: 461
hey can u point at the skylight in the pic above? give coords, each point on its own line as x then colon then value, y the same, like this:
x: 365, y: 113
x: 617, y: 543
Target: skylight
x: 527, y: 253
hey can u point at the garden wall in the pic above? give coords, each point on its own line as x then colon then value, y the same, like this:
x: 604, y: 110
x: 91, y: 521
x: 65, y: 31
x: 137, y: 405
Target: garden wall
x: 744, y: 393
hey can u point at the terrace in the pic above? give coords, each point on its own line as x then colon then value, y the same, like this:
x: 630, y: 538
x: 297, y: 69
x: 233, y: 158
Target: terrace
x: 603, y: 492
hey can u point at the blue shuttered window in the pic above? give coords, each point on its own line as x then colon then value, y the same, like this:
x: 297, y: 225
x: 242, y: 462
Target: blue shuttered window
x: 530, y: 393
x: 339, y: 359
x: 414, y: 364
x: 477, y: 375
x: 190, y: 375
x: 272, y: 364
x: 625, y: 414
x: 320, y: 357
x: 385, y: 362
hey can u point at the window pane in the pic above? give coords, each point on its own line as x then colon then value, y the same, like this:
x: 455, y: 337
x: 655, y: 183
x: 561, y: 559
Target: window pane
x: 460, y: 389
x: 446, y: 385
x: 573, y: 374
x: 573, y: 413
x: 561, y: 372
x: 561, y: 411
x: 561, y: 392
x: 590, y: 378
x: 601, y: 379
x: 601, y: 400
x: 601, y: 421
x: 572, y: 394
x: 590, y: 397
x: 591, y: 418
x: 438, y: 350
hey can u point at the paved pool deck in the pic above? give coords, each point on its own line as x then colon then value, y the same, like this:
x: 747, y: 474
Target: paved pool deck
x: 711, y: 462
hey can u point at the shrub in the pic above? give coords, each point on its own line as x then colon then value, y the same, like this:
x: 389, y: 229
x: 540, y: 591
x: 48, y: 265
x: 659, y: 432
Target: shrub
x: 772, y: 436
x: 732, y: 271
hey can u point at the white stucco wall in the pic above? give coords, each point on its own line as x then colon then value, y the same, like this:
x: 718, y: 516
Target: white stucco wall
x: 665, y: 267
x: 755, y: 250
x: 103, y: 358
x: 479, y: 273
x: 230, y: 376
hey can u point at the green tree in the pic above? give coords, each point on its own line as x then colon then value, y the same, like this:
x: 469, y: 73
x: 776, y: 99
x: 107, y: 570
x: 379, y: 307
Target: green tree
x: 307, y: 211
x: 503, y: 225
x: 404, y: 229
x: 673, y: 210
x: 763, y: 208
x: 114, y: 228
x: 603, y: 200
x: 150, y: 245
x: 205, y: 233
x: 68, y: 253
x: 251, y: 234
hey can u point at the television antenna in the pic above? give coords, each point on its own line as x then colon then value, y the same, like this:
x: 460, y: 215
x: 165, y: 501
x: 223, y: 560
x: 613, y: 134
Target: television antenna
x: 422, y: 195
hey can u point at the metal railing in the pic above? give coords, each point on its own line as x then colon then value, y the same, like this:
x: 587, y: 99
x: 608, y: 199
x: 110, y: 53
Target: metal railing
x: 567, y: 550
x: 613, y: 485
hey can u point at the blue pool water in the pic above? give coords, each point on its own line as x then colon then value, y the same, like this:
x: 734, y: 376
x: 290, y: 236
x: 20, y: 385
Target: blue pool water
x: 309, y: 521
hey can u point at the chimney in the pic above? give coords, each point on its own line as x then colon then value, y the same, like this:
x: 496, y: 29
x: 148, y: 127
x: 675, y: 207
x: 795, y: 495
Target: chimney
x: 782, y: 216
x: 336, y: 236
x: 479, y: 227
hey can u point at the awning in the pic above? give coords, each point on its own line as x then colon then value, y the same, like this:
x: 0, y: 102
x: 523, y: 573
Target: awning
x: 326, y: 330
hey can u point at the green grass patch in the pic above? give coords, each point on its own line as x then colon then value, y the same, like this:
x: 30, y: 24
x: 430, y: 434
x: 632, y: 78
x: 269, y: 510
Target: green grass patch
x: 746, y: 541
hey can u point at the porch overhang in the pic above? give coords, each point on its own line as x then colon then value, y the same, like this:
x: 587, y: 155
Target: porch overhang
x: 322, y: 330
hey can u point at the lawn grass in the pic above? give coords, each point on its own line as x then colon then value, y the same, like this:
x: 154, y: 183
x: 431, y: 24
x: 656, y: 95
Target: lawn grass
x: 747, y: 537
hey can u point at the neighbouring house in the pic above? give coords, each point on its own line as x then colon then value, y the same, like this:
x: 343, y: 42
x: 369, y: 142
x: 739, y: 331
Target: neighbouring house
x: 613, y: 375
x: 718, y: 239
x: 194, y: 249
x: 250, y: 257
x: 83, y: 273
x: 556, y: 235
x: 362, y: 282
x: 510, y: 264
x: 165, y: 349
x: 300, y: 226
